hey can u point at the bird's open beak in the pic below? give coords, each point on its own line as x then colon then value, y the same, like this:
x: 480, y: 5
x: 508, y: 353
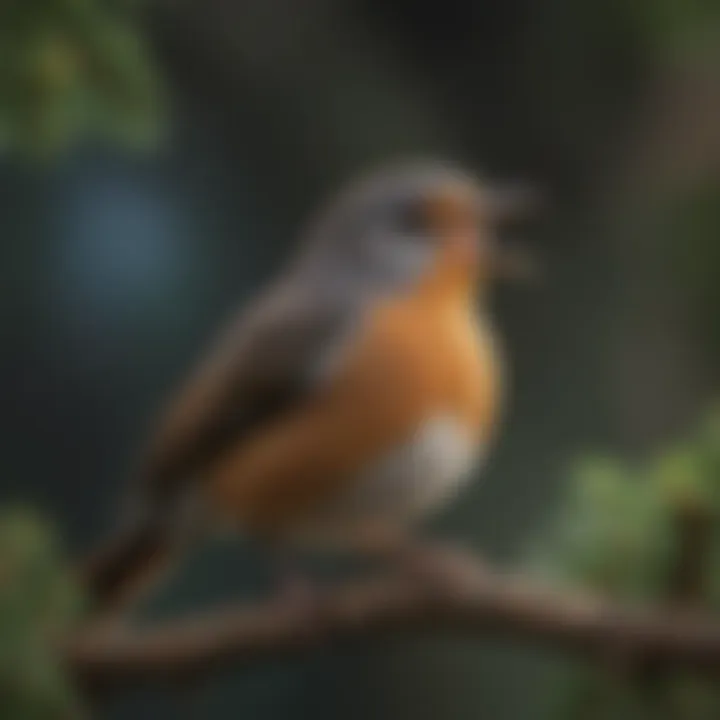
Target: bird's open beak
x: 514, y: 206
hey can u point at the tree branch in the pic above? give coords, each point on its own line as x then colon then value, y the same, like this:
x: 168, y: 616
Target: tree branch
x: 466, y: 599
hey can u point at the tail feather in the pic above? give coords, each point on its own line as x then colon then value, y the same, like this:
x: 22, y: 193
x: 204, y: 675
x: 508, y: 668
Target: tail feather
x: 127, y: 563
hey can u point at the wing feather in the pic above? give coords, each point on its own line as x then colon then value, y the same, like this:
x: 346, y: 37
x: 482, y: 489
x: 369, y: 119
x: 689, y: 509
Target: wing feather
x: 261, y: 365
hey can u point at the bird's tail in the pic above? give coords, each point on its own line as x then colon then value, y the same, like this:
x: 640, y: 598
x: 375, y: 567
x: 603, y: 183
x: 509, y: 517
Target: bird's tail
x: 127, y: 564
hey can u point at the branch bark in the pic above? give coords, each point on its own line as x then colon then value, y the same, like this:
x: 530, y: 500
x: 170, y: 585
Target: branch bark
x: 463, y: 598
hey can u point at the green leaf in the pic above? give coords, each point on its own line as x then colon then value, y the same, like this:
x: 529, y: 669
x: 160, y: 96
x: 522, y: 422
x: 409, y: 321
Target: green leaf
x: 72, y: 69
x: 38, y: 601
x: 618, y: 531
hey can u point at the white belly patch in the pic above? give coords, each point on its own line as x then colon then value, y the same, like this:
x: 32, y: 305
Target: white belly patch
x: 421, y: 476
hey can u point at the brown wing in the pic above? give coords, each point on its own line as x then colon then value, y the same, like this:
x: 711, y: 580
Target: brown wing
x: 263, y: 362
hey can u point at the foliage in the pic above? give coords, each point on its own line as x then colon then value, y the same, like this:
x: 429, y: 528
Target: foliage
x: 642, y: 532
x: 70, y: 68
x: 678, y: 25
x: 666, y: 27
x: 37, y: 602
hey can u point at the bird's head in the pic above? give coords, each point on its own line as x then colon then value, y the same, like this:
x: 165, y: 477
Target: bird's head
x: 393, y: 225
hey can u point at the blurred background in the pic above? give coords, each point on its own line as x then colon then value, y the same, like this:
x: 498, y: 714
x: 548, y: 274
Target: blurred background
x: 158, y: 159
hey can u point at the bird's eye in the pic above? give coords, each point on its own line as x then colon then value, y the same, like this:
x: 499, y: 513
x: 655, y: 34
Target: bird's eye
x: 412, y: 218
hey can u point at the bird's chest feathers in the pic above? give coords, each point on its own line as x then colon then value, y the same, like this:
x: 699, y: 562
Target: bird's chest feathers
x: 425, y: 386
x: 433, y: 361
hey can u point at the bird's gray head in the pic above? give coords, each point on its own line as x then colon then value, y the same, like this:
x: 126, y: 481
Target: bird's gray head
x: 386, y: 228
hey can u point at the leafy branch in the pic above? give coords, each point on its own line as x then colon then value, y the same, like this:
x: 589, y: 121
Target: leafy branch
x: 74, y: 68
x: 641, y: 541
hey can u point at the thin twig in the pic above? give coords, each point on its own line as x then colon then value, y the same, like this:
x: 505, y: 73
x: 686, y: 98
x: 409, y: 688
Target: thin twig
x: 468, y: 600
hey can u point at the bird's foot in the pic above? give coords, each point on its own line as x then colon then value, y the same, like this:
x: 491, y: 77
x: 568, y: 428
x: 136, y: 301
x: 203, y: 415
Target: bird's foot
x: 296, y: 590
x: 299, y: 596
x: 440, y: 567
x: 433, y: 564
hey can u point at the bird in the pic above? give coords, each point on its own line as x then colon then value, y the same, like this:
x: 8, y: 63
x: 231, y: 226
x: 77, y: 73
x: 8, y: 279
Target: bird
x: 353, y: 397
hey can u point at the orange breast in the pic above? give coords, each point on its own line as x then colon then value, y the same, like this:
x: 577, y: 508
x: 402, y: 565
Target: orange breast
x: 415, y: 357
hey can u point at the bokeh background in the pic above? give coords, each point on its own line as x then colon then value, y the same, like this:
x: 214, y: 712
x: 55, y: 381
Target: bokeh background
x: 158, y: 159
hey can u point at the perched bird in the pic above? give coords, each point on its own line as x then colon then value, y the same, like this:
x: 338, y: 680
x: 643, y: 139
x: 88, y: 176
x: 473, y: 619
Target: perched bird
x: 354, y: 396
